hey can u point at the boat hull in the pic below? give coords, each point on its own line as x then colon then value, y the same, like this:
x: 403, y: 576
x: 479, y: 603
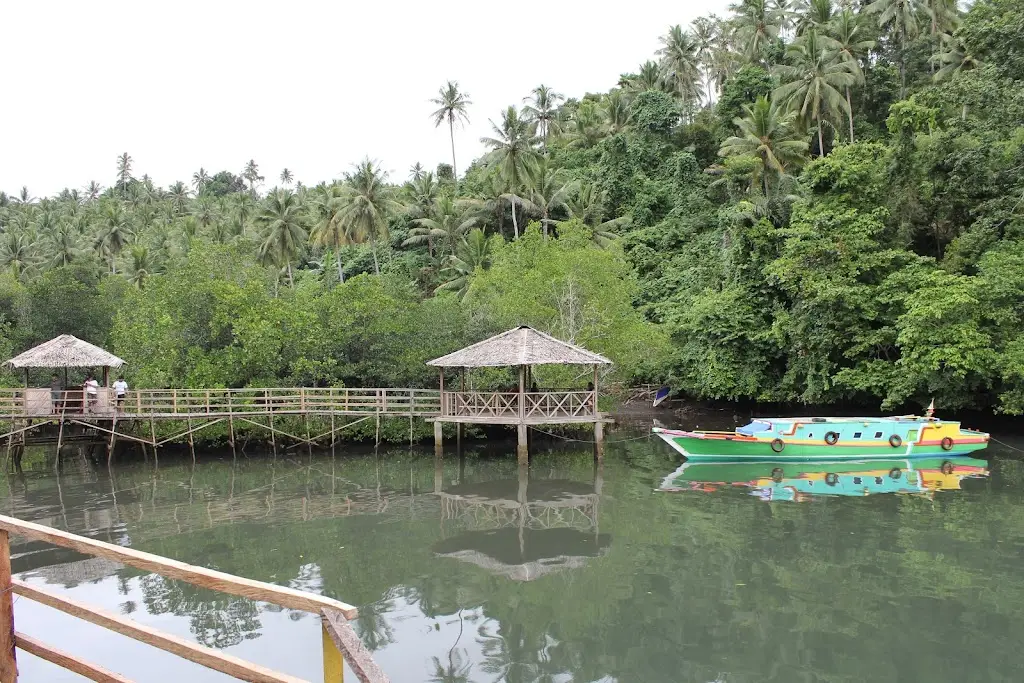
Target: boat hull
x: 720, y: 448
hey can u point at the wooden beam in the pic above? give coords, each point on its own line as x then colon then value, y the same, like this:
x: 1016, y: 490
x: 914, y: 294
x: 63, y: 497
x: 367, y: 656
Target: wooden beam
x: 351, y: 647
x: 212, y: 659
x: 67, y: 661
x: 8, y: 660
x: 173, y: 569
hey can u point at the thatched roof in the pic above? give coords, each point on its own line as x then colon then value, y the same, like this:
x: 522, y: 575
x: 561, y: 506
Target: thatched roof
x: 65, y: 351
x: 520, y: 346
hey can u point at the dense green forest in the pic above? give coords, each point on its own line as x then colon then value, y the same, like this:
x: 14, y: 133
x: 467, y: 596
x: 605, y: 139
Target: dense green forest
x: 816, y: 202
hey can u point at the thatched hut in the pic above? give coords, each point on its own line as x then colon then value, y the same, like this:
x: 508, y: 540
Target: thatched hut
x: 61, y: 353
x: 520, y: 348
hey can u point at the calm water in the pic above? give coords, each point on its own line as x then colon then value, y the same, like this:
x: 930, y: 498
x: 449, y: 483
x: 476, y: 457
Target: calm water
x: 605, y: 578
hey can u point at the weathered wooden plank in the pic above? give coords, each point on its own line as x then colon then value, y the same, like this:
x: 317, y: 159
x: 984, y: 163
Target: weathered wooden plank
x: 173, y: 569
x: 68, y: 661
x: 355, y: 653
x: 8, y: 659
x: 212, y: 659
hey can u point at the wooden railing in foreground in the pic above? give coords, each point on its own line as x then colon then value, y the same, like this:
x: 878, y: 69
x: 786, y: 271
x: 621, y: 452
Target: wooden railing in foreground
x: 340, y: 642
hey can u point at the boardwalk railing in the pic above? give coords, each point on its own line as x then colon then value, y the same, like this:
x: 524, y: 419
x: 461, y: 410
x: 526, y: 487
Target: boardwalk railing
x: 41, y: 403
x: 537, y: 405
x: 340, y: 642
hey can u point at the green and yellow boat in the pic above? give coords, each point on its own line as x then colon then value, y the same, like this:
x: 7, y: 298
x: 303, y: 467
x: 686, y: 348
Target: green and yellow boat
x: 831, y: 438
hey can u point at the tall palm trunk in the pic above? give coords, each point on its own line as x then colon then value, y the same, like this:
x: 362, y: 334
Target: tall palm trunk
x: 903, y: 62
x: 337, y: 257
x: 849, y: 106
x: 291, y: 280
x: 515, y: 222
x: 376, y: 265
x: 451, y: 133
x: 544, y: 222
x: 821, y: 138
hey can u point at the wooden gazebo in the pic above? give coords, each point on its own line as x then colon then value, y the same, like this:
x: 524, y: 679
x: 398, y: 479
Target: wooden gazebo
x: 61, y: 353
x: 520, y: 348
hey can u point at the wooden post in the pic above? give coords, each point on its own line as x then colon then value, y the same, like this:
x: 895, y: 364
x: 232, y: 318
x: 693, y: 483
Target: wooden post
x: 113, y: 437
x: 231, y: 432
x: 152, y: 434
x: 438, y: 436
x: 334, y: 664
x: 60, y: 442
x: 441, y: 384
x: 595, y: 389
x: 522, y: 393
x: 522, y: 451
x: 106, y: 376
x: 191, y: 441
x: 8, y: 660
x: 599, y: 440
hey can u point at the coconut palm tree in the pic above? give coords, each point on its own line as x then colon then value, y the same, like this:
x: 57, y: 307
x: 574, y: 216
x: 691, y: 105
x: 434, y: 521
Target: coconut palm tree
x: 848, y: 31
x: 680, y: 65
x: 615, y: 110
x: 92, y: 190
x: 901, y: 17
x: 814, y: 79
x: 474, y: 252
x: 284, y: 230
x: 205, y: 212
x: 705, y: 37
x: 124, y: 172
x: 542, y: 109
x: 18, y: 252
x: 758, y: 25
x: 368, y: 202
x: 512, y: 155
x: 448, y: 221
x: 140, y: 267
x: 586, y: 204
x: 199, y: 180
x: 178, y: 194
x: 328, y: 229
x: 63, y: 245
x: 115, y: 232
x: 953, y: 58
x: 286, y: 177
x: 588, y: 124
x: 815, y: 14
x: 416, y: 172
x: 766, y: 132
x: 452, y: 107
x: 547, y: 193
x: 251, y: 173
x: 648, y: 77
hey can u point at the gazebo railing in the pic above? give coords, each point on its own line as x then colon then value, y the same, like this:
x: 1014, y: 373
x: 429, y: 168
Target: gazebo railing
x: 536, y: 404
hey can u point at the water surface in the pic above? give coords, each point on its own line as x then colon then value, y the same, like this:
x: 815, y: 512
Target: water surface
x: 469, y: 569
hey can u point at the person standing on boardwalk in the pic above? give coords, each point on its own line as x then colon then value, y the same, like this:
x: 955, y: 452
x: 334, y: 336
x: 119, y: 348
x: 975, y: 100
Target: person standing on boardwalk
x: 92, y: 388
x: 120, y: 389
x: 56, y: 392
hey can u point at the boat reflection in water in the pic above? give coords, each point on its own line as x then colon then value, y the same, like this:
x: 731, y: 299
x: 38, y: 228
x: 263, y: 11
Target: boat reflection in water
x: 799, y: 481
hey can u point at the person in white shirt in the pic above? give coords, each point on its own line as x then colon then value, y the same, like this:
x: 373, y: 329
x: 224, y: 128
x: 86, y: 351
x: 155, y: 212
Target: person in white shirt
x: 120, y: 389
x: 92, y: 388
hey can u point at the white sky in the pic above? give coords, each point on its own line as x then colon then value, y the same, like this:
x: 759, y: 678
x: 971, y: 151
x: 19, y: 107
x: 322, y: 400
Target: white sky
x: 310, y: 86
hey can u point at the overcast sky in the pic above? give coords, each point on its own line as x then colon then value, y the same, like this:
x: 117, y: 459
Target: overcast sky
x: 313, y: 87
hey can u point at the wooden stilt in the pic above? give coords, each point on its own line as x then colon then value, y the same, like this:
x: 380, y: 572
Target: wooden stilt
x: 378, y: 429
x: 60, y: 442
x: 522, y: 451
x: 273, y: 439
x: 113, y: 437
x: 8, y: 660
x: 231, y: 434
x: 191, y: 439
x: 334, y: 436
x: 309, y: 445
x: 438, y: 436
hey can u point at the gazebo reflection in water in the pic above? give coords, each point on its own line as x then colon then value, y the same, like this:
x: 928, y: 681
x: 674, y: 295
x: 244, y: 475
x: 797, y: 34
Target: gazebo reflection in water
x: 522, y: 528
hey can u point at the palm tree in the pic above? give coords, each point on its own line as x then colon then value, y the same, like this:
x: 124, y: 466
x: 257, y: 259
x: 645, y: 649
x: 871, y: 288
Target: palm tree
x: 615, y: 111
x: 587, y: 206
x: 588, y: 124
x: 286, y: 177
x: 513, y: 155
x: 848, y: 32
x: 416, y: 172
x: 953, y: 58
x: 421, y: 193
x: 115, y: 232
x: 648, y: 77
x: 63, y: 245
x: 542, y: 108
x: 18, y: 252
x: 547, y: 193
x: 124, y: 172
x: 758, y: 25
x: 766, y: 132
x: 179, y: 197
x: 452, y: 107
x: 251, y: 173
x: 283, y: 222
x: 92, y: 190
x: 205, y: 212
x: 943, y: 16
x: 680, y: 66
x: 328, y: 230
x: 448, y: 221
x: 817, y: 14
x: 199, y: 180
x: 901, y: 15
x: 141, y: 266
x: 474, y: 252
x: 24, y: 196
x: 812, y: 80
x: 705, y: 38
x: 368, y: 203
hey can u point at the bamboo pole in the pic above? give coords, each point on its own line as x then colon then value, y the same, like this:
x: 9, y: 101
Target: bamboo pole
x: 191, y: 440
